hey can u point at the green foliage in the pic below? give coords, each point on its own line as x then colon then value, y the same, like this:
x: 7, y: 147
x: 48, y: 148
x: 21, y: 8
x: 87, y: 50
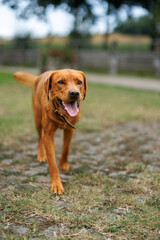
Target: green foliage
x: 39, y: 7
x: 82, y: 10
x: 65, y: 53
x: 23, y: 42
x: 140, y: 26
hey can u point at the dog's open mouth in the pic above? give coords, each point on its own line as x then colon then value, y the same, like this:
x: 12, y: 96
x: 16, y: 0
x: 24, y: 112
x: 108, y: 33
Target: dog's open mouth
x: 70, y: 107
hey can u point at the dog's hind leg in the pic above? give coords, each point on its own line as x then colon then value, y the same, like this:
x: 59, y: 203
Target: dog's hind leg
x: 64, y: 163
x: 42, y: 157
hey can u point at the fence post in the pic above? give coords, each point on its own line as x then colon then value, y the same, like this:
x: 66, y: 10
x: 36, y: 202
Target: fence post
x: 156, y: 63
x: 156, y: 59
x: 113, y: 60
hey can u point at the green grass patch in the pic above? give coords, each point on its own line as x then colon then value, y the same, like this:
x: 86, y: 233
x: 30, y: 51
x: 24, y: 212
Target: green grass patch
x: 6, y: 78
x: 16, y: 117
x: 103, y: 106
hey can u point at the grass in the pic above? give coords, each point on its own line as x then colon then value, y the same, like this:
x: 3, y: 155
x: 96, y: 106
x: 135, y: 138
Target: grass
x: 103, y: 106
x: 88, y: 208
x: 141, y: 47
x: 91, y: 208
x: 16, y: 108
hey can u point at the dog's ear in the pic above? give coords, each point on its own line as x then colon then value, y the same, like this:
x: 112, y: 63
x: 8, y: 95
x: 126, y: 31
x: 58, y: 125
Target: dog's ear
x: 47, y: 86
x: 48, y: 82
x: 85, y: 84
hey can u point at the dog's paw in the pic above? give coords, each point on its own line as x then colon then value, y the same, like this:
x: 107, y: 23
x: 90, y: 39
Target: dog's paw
x: 64, y: 166
x: 57, y: 187
x: 41, y: 158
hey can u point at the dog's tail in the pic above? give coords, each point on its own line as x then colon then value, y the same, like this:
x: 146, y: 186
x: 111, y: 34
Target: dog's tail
x: 25, y: 78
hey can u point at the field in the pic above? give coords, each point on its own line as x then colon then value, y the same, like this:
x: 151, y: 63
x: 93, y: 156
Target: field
x: 103, y: 106
x: 125, y: 43
x: 112, y: 188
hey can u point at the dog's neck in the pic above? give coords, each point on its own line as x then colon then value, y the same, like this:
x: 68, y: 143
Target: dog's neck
x: 60, y: 115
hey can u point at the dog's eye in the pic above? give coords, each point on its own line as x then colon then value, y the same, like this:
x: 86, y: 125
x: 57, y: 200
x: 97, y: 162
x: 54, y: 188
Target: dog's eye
x: 79, y: 82
x: 60, y: 82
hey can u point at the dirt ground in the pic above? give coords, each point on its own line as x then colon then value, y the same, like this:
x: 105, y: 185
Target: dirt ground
x: 121, y: 150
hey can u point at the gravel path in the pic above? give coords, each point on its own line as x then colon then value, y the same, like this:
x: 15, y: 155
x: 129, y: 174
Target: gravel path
x: 131, y: 82
x: 104, y: 152
x: 112, y: 152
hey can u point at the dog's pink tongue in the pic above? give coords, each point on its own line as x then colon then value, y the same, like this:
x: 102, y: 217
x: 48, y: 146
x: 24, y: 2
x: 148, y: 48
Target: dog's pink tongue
x: 71, y: 108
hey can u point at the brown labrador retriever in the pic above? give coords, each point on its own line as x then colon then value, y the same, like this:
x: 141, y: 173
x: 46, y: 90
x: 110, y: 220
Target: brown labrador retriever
x: 56, y: 104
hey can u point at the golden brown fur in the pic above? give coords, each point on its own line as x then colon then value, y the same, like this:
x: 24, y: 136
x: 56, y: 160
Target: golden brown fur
x: 47, y: 121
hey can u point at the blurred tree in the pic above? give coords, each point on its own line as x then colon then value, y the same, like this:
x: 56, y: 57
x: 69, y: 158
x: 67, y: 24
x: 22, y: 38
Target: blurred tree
x: 83, y: 10
x: 156, y: 19
x: 140, y: 26
x: 149, y: 24
x: 152, y: 6
x: 22, y: 41
x: 114, y: 4
x: 26, y: 8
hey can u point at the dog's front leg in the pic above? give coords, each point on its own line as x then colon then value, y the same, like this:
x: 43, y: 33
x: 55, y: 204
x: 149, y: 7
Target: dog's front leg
x: 64, y: 163
x: 56, y: 184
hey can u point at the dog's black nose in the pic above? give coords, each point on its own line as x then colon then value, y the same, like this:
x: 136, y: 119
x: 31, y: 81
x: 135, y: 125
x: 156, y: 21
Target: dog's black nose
x: 73, y: 94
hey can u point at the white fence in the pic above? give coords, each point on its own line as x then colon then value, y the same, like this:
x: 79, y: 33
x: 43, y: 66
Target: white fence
x: 120, y: 61
x: 148, y: 62
x: 20, y: 57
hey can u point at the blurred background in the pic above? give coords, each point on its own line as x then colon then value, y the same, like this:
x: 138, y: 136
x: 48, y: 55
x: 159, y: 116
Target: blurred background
x: 112, y: 188
x: 98, y: 35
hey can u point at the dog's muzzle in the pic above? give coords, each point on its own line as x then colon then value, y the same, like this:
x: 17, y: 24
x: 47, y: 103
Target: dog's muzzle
x: 73, y: 95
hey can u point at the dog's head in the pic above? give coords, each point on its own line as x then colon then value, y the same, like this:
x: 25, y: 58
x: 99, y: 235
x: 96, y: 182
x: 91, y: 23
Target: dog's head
x: 68, y: 87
